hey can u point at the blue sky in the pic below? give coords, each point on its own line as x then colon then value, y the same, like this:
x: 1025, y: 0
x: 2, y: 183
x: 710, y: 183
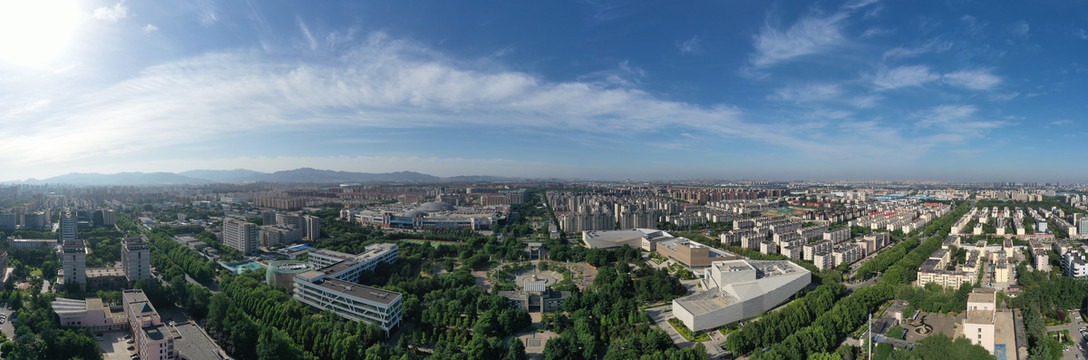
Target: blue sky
x: 952, y: 90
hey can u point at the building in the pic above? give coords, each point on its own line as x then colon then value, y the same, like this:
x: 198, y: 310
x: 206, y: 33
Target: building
x: 332, y: 287
x: 153, y: 339
x: 275, y: 235
x: 8, y: 221
x: 72, y: 253
x: 31, y: 243
x: 534, y: 296
x: 90, y: 313
x: 1074, y: 264
x: 738, y: 290
x: 136, y: 259
x: 690, y: 254
x: 291, y: 220
x: 311, y: 227
x: 979, y: 326
x: 3, y: 266
x: 241, y: 235
x: 634, y: 238
x: 282, y: 273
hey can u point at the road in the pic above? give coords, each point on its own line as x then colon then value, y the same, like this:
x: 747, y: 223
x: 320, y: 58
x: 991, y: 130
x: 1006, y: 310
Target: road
x: 6, y: 326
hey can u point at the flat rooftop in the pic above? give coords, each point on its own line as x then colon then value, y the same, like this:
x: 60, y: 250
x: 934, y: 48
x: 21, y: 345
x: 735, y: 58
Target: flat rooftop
x: 982, y: 296
x: 980, y: 316
x: 705, y: 302
x: 193, y: 344
x: 360, y: 291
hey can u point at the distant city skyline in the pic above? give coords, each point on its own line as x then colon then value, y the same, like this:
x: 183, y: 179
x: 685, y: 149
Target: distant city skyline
x: 596, y: 90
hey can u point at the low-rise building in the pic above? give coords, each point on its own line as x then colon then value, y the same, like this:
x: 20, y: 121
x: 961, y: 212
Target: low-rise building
x: 693, y: 255
x: 90, y: 313
x: 634, y: 238
x: 738, y: 290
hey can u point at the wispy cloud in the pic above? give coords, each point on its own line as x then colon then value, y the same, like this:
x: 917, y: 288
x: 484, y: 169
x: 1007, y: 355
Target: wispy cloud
x: 900, y: 52
x: 974, y: 25
x: 306, y: 33
x: 956, y: 120
x: 1083, y: 35
x: 810, y: 35
x: 111, y: 13
x: 690, y: 46
x: 150, y: 29
x: 977, y: 79
x: 874, y: 32
x: 904, y: 76
x: 807, y: 93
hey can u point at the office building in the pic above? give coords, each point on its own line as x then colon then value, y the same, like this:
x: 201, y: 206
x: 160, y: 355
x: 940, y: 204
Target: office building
x: 333, y: 286
x: 136, y: 259
x: 739, y: 290
x: 8, y: 221
x: 241, y: 235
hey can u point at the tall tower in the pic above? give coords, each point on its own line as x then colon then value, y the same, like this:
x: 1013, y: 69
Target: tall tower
x: 72, y: 252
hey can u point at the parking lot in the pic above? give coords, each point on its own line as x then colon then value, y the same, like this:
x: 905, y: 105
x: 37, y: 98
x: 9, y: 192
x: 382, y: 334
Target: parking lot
x: 114, y: 346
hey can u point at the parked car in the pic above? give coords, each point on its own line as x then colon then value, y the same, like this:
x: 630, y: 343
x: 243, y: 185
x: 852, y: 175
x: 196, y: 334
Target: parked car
x: 130, y: 341
x: 131, y: 348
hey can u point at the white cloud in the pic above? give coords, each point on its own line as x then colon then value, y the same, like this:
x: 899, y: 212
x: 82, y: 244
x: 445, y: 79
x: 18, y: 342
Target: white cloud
x: 690, y: 46
x: 1083, y: 35
x: 111, y: 13
x: 977, y: 79
x: 384, y: 84
x: 807, y: 93
x: 904, y: 76
x: 150, y: 29
x: 956, y: 121
x: 810, y: 35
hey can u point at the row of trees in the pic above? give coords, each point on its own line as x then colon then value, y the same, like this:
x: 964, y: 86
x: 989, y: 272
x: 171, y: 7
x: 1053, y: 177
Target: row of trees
x: 171, y: 258
x: 829, y: 328
x: 775, y: 326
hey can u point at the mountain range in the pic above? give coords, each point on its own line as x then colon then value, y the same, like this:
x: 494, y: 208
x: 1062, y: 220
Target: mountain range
x: 237, y: 176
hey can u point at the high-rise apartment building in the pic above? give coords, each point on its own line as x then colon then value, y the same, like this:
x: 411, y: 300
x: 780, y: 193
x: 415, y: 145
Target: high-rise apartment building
x: 311, y: 227
x: 72, y: 252
x: 136, y: 259
x: 241, y: 235
x: 288, y: 220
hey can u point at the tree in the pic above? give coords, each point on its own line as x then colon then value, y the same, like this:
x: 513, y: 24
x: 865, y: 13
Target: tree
x: 516, y: 351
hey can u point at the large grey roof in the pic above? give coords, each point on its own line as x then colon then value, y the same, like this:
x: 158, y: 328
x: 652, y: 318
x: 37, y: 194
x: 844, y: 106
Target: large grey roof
x: 436, y: 206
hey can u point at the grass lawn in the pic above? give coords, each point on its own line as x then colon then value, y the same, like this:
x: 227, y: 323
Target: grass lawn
x: 683, y: 330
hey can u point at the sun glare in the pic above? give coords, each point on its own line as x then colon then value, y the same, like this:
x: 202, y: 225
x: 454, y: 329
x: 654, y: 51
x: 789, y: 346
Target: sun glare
x: 33, y: 32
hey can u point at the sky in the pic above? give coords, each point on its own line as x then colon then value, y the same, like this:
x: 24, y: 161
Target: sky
x: 592, y: 89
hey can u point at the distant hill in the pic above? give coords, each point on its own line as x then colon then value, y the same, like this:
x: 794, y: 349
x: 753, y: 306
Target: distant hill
x: 301, y: 175
x: 125, y: 178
